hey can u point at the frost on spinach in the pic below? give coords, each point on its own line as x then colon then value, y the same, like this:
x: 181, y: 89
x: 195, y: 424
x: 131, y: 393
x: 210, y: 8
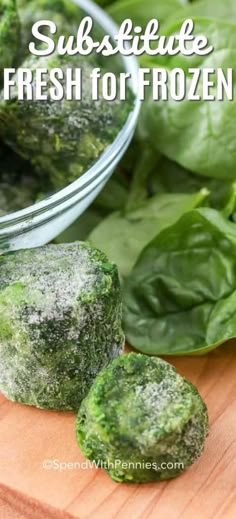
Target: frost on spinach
x: 9, y: 34
x: 141, y: 412
x: 62, y: 139
x: 181, y: 295
x: 198, y: 135
x: 60, y: 308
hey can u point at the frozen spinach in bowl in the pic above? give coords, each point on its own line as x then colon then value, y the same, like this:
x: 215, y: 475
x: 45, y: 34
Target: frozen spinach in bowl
x: 57, y: 155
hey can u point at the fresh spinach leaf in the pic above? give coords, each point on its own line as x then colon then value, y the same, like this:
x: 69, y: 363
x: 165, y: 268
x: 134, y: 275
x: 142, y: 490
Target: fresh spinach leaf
x: 198, y: 135
x: 225, y: 10
x: 142, y: 12
x: 170, y: 177
x: 114, y: 196
x: 148, y: 159
x: 229, y: 210
x: 122, y: 236
x: 181, y: 295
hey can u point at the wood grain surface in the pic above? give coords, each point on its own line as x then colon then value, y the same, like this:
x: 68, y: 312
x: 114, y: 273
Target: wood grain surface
x: 29, y: 436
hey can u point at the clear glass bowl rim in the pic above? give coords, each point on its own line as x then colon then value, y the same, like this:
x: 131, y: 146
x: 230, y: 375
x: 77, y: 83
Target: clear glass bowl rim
x: 131, y: 66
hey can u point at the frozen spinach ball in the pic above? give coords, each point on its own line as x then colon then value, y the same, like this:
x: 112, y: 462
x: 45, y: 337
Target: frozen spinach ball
x: 9, y: 34
x: 62, y: 138
x: 142, y: 421
x: 60, y: 308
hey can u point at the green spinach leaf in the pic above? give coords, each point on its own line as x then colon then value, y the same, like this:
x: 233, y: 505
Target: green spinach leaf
x: 142, y: 12
x: 225, y: 10
x: 181, y: 295
x: 122, y: 236
x: 170, y: 177
x: 198, y: 135
x: 148, y: 159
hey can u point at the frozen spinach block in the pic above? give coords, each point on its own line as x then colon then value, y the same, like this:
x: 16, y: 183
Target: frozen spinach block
x: 60, y: 308
x: 9, y: 34
x: 142, y: 421
x: 62, y: 138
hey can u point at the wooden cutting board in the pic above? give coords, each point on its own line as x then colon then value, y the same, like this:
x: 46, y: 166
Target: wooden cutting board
x: 30, y: 436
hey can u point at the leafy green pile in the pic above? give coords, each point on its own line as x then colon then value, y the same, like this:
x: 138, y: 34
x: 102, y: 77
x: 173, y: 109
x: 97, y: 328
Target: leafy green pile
x: 167, y: 217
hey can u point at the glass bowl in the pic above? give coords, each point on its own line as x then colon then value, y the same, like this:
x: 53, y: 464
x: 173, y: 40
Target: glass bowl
x: 42, y: 222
